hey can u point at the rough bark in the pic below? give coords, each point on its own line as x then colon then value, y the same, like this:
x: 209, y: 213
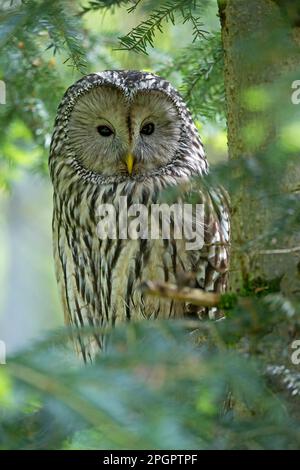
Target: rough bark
x: 261, y: 52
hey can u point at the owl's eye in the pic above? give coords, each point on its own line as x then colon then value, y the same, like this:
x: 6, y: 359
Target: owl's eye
x: 148, y: 129
x: 105, y: 131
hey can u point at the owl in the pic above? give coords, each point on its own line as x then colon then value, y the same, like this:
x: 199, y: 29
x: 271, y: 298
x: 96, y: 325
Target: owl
x: 128, y: 136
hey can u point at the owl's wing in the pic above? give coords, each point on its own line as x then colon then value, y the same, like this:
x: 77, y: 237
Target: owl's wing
x: 211, y: 262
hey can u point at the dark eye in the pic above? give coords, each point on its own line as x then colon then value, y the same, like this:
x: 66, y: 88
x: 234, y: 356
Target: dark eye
x: 105, y: 131
x: 148, y: 129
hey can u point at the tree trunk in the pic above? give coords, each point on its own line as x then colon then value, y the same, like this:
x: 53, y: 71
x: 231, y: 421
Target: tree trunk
x: 262, y: 58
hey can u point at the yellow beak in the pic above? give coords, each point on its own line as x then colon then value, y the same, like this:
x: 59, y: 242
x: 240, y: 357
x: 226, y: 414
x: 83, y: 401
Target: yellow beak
x: 129, y: 160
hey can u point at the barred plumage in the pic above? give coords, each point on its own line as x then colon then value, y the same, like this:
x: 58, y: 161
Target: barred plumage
x: 99, y: 279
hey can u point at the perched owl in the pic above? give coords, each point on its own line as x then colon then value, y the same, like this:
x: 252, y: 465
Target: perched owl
x: 127, y: 135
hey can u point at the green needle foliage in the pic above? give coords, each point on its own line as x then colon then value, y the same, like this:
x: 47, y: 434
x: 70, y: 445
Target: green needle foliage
x: 32, y: 32
x: 35, y: 17
x: 201, y: 71
x: 142, y: 36
x: 159, y: 13
x: 160, y: 385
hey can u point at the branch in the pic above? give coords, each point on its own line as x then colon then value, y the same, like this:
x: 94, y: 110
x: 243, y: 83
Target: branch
x: 181, y: 294
x: 280, y: 251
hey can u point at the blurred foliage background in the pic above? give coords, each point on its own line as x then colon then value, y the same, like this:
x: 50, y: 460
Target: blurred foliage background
x: 218, y: 385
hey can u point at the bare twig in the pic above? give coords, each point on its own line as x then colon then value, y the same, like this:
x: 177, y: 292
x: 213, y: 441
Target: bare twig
x: 280, y: 251
x: 181, y: 294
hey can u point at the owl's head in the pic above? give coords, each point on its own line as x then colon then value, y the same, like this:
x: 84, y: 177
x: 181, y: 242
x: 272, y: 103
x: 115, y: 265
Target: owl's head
x: 126, y: 124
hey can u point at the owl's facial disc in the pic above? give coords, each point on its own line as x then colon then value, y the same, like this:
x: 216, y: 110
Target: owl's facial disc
x: 112, y: 135
x: 156, y: 130
x: 97, y: 130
